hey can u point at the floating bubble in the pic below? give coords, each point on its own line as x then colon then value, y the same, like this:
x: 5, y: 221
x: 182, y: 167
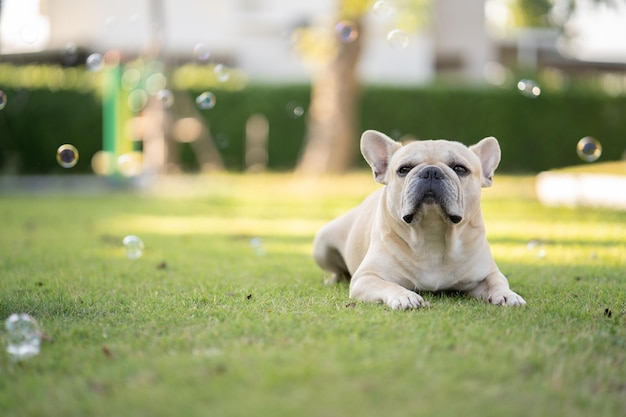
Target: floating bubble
x: 3, y: 99
x: 222, y: 140
x: 133, y: 247
x: 166, y: 98
x: 347, y: 31
x: 529, y: 88
x: 295, y: 110
x: 383, y: 8
x: 206, y: 100
x: 70, y: 55
x: 589, y: 149
x: 103, y: 163
x: 130, y: 164
x: 257, y: 246
x: 131, y: 79
x: 67, y: 155
x: 398, y: 39
x: 536, y: 246
x: 137, y: 100
x: 24, y: 336
x: 155, y: 83
x: 202, y: 52
x: 95, y: 62
x: 222, y: 73
x: 29, y: 33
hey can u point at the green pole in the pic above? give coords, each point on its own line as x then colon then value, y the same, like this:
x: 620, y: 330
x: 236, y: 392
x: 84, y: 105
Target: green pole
x: 111, y: 96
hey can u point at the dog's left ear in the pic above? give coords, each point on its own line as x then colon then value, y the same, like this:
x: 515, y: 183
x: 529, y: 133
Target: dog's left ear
x: 488, y: 151
x: 377, y: 149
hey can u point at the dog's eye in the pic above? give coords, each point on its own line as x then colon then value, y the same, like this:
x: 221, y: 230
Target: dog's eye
x: 460, y: 170
x: 404, y: 170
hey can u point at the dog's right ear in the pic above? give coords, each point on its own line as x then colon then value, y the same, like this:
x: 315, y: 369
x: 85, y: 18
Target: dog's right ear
x: 377, y: 149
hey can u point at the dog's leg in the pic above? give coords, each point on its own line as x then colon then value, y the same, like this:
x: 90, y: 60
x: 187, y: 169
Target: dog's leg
x: 370, y: 287
x: 495, y: 289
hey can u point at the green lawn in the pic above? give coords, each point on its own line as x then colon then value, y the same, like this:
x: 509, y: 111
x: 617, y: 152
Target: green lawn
x: 205, y: 324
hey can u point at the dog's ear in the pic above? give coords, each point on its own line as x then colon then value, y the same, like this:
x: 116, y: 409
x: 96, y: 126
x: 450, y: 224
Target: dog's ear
x: 377, y: 149
x: 488, y: 151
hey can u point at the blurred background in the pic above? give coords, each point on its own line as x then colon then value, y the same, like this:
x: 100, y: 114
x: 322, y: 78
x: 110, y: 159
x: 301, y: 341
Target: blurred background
x: 150, y: 87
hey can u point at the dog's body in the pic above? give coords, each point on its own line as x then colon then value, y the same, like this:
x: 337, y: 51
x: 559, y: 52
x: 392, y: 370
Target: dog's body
x: 422, y: 231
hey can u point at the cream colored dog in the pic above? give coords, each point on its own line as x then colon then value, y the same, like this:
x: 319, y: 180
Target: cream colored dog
x: 422, y: 231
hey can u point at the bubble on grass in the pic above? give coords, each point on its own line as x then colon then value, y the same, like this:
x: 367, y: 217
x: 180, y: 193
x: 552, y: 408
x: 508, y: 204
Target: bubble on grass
x: 3, y: 100
x: 206, y: 101
x: 133, y: 246
x: 347, y: 31
x: 201, y: 52
x: 95, y: 62
x: 166, y: 98
x: 589, y: 149
x: 24, y: 336
x: 535, y: 246
x: 257, y: 246
x: 295, y: 110
x: 398, y: 39
x: 383, y: 8
x: 67, y: 155
x: 529, y: 88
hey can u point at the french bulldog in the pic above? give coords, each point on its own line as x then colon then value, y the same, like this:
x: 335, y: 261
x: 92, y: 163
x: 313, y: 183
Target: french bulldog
x: 422, y: 231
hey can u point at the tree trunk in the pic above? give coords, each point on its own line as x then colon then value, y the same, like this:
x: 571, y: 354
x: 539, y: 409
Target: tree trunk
x: 332, y: 137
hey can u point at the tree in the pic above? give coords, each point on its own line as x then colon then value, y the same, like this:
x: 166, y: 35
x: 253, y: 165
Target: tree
x: 332, y: 114
x: 332, y: 118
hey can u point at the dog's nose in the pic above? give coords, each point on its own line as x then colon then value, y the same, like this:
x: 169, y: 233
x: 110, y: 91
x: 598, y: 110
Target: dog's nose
x: 431, y: 173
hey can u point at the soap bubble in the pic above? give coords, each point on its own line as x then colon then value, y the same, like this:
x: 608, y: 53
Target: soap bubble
x: 133, y: 247
x: 206, y: 100
x: 295, y: 110
x: 257, y: 246
x: 222, y: 73
x: 201, y: 51
x: 529, y: 88
x: 535, y: 246
x: 131, y: 79
x: 29, y: 33
x: 70, y: 54
x: 137, y: 100
x: 383, y: 8
x: 130, y: 164
x: 3, y: 99
x: 398, y: 39
x: 589, y: 149
x: 67, y: 155
x: 155, y: 83
x: 24, y: 336
x: 95, y: 62
x: 347, y: 31
x: 166, y: 98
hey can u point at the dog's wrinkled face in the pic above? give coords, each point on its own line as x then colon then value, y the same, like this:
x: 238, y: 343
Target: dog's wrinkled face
x: 438, y: 175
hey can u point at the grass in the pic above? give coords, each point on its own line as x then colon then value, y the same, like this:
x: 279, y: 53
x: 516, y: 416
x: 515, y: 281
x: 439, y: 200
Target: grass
x: 204, y: 324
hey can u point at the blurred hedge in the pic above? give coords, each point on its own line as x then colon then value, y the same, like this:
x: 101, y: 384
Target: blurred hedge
x: 535, y: 134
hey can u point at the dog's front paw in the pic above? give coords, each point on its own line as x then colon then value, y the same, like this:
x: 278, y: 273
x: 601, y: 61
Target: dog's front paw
x: 405, y: 300
x: 506, y: 298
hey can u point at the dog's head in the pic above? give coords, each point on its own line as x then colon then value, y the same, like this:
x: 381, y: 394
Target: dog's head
x: 435, y: 174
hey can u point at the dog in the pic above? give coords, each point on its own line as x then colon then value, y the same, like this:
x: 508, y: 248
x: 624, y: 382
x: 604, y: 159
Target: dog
x: 422, y: 231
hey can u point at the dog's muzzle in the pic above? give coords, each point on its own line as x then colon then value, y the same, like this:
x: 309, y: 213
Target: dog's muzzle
x: 430, y: 185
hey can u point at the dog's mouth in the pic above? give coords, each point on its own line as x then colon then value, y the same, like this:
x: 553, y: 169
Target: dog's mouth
x: 422, y: 195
